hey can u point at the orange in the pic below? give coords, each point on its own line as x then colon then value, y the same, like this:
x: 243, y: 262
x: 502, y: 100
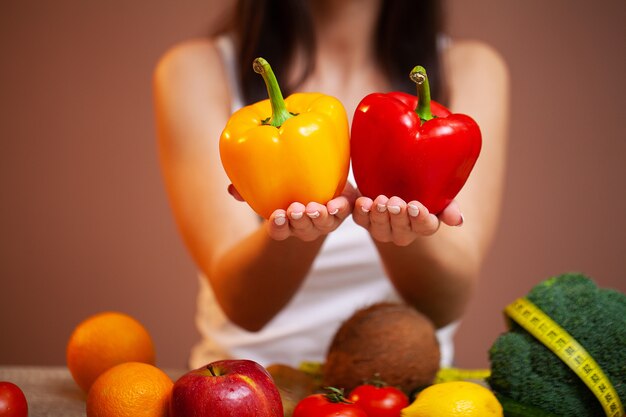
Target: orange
x: 454, y: 399
x: 105, y: 340
x: 131, y: 389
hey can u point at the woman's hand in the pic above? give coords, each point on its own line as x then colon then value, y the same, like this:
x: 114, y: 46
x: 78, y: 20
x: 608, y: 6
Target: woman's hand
x: 393, y: 220
x: 308, y: 222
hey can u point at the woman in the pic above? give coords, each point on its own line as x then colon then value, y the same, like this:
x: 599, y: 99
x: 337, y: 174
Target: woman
x: 276, y: 290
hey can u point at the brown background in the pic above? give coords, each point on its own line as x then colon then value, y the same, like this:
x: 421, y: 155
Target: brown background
x: 85, y: 225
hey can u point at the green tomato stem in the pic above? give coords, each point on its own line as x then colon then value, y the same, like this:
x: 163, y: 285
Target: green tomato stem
x: 419, y: 77
x: 279, y: 108
x: 335, y: 395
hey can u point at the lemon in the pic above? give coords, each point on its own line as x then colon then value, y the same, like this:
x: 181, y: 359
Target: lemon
x: 454, y: 399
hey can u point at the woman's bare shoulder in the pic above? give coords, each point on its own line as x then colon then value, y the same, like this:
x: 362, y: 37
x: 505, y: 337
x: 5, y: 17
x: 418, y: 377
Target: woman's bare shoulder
x: 471, y: 53
x: 189, y: 55
x: 192, y: 65
x: 189, y: 83
x: 472, y: 65
x: 475, y: 69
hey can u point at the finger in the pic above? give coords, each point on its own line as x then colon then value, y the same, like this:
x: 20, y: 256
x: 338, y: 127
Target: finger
x: 422, y: 222
x: 361, y: 212
x: 399, y: 220
x: 278, y: 225
x: 233, y: 191
x: 397, y: 214
x: 339, y: 207
x: 451, y: 215
x: 318, y: 214
x: 380, y: 227
x: 295, y: 212
x: 301, y: 225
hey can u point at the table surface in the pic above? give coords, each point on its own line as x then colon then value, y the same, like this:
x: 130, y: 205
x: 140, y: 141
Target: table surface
x: 51, y: 391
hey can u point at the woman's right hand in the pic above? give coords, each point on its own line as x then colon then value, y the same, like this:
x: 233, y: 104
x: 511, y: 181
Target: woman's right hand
x: 311, y: 221
x: 308, y: 222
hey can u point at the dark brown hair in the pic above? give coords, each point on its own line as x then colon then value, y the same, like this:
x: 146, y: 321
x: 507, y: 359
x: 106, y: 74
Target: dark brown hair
x: 407, y: 35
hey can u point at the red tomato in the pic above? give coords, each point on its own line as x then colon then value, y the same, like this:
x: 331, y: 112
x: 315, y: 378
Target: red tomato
x: 12, y: 401
x: 377, y: 401
x: 319, y: 405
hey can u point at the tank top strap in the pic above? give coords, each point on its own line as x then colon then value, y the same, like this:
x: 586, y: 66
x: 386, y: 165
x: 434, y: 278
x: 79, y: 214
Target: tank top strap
x: 226, y: 47
x: 443, y: 42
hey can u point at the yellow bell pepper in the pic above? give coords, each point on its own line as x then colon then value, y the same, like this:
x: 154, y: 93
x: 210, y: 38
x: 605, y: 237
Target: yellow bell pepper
x: 279, y: 151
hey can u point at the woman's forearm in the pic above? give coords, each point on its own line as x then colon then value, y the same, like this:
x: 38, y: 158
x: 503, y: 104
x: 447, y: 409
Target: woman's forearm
x: 436, y: 274
x: 254, y: 279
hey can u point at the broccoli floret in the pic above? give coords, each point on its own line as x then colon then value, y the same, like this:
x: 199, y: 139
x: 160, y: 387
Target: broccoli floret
x: 529, y: 373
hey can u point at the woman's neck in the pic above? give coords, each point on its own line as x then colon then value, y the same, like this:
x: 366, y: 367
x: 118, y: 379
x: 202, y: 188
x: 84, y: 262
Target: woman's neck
x: 345, y: 63
x: 345, y: 30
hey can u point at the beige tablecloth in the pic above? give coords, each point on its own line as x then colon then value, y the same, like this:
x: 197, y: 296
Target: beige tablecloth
x: 51, y: 391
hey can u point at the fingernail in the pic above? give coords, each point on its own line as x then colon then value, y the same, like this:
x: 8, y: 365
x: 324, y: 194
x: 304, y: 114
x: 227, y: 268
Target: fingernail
x: 381, y: 208
x: 335, y: 211
x: 461, y: 222
x: 394, y: 209
x: 313, y: 215
x: 296, y: 215
x: 365, y: 209
x: 280, y: 219
x: 413, y: 210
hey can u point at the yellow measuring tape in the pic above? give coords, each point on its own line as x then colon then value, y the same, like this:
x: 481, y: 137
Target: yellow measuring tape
x: 555, y: 338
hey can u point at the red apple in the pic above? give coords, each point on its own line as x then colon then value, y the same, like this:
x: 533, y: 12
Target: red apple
x: 227, y: 388
x: 12, y: 401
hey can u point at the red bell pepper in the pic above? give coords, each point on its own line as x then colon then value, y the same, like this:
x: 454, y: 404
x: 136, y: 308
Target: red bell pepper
x: 412, y: 147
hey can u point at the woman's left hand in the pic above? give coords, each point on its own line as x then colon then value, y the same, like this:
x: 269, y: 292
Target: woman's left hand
x: 394, y: 220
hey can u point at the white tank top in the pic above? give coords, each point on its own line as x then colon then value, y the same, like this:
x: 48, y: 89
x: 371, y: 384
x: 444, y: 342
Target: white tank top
x: 347, y: 275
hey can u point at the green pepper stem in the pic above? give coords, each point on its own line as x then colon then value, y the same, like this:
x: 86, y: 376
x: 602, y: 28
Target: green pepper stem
x: 279, y: 108
x: 419, y: 77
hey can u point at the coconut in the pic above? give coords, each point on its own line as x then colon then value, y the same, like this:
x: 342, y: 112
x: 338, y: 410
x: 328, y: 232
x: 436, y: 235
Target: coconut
x: 391, y: 341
